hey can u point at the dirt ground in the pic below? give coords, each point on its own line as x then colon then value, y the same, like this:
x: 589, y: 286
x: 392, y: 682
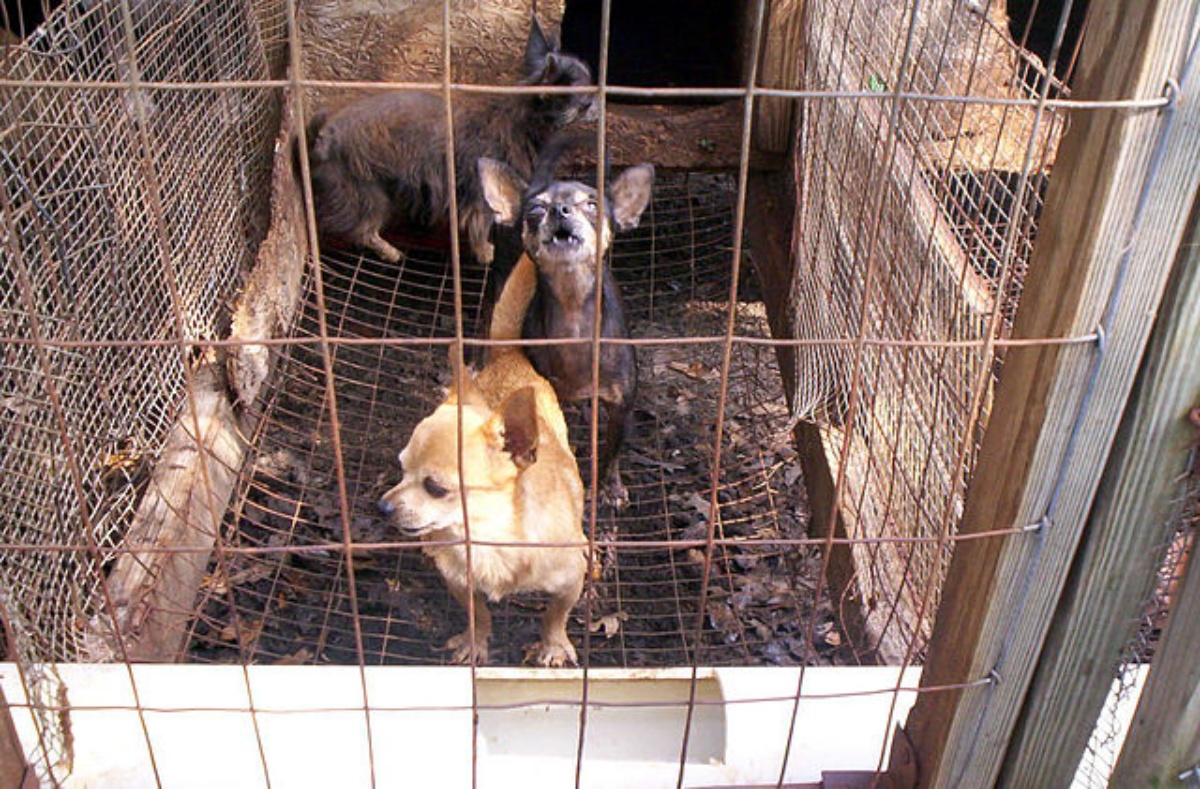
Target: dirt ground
x: 295, y: 601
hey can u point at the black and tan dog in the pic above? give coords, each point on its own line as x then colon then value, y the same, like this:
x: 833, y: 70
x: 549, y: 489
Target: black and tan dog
x: 382, y: 159
x: 519, y: 483
x: 564, y: 231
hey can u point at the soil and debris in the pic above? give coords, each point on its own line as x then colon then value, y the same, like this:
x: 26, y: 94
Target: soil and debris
x: 293, y: 599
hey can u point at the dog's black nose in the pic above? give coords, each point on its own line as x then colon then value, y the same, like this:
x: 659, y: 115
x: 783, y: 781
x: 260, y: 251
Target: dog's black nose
x: 385, y: 507
x: 564, y: 209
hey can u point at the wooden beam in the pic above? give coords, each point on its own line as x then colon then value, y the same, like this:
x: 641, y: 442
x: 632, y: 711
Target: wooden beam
x: 1164, y: 739
x: 782, y: 67
x: 1000, y: 592
x: 156, y: 579
x: 273, y: 288
x: 770, y: 210
x: 1116, y: 572
x: 681, y: 137
x: 154, y: 582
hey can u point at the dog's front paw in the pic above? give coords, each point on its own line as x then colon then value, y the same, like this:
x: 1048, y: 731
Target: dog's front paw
x: 552, y: 654
x: 375, y: 242
x: 459, y: 648
x: 614, y: 494
x: 389, y: 252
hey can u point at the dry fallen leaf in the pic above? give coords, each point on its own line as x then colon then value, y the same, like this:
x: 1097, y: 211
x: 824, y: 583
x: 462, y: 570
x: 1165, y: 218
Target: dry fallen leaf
x: 245, y: 635
x: 611, y: 624
x: 216, y: 582
x: 701, y: 504
x: 696, y: 370
x: 722, y: 617
x: 297, y: 658
x: 253, y: 571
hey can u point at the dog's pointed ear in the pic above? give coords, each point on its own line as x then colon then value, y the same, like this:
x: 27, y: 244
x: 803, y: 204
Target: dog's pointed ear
x: 462, y: 386
x: 537, y: 47
x: 502, y: 189
x: 630, y: 194
x: 521, y: 427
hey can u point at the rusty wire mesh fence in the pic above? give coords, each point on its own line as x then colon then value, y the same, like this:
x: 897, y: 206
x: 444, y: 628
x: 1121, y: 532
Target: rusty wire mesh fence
x: 122, y: 239
x: 915, y: 224
x: 106, y: 205
x: 675, y: 274
x: 133, y: 214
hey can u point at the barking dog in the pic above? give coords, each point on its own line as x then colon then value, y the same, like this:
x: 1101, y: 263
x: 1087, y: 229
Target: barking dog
x: 383, y: 158
x: 519, y: 483
x: 566, y: 234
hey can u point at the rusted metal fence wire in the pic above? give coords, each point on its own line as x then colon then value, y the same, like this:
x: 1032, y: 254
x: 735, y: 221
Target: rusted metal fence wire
x: 136, y: 144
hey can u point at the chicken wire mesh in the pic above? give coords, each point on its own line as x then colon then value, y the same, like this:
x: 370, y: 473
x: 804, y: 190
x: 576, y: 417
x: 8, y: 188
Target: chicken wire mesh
x: 915, y: 222
x: 122, y: 237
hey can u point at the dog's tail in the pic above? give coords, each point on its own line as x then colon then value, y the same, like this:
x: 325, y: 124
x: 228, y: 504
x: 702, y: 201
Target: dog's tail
x: 508, y: 316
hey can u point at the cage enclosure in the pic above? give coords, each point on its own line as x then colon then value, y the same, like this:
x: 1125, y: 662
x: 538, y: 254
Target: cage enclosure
x: 204, y: 400
x: 303, y: 568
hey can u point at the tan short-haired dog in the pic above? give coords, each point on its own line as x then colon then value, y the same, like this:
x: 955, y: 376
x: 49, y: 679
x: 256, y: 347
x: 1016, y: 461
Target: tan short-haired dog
x: 519, y: 483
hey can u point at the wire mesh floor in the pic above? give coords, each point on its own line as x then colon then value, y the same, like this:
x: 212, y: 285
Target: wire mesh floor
x: 292, y: 601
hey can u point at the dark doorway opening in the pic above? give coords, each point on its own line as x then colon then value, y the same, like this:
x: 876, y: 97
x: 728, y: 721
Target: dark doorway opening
x: 661, y: 43
x: 1033, y: 24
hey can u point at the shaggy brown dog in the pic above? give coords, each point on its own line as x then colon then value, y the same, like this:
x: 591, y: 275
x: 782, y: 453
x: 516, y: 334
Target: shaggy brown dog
x: 383, y: 158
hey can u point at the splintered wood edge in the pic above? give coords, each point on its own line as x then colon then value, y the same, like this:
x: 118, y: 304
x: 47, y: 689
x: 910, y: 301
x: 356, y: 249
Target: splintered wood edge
x: 155, y: 581
x: 273, y: 289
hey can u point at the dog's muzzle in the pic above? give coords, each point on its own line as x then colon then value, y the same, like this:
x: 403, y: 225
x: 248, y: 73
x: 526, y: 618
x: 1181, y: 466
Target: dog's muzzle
x: 401, y: 519
x: 564, y: 231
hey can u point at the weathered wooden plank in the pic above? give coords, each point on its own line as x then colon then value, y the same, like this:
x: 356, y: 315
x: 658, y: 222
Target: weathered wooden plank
x: 1116, y: 572
x: 926, y: 220
x: 679, y: 137
x: 782, y: 67
x: 273, y: 288
x: 1000, y: 593
x: 156, y: 579
x: 1164, y: 740
x: 770, y: 209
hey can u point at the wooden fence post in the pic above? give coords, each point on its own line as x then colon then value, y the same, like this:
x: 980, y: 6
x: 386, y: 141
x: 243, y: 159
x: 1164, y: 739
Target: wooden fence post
x: 1000, y: 593
x: 782, y: 67
x: 1135, y: 514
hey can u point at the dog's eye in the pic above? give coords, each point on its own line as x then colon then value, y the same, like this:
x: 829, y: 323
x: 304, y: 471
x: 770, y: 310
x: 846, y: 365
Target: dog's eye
x: 433, y: 488
x: 590, y: 206
x: 536, y: 211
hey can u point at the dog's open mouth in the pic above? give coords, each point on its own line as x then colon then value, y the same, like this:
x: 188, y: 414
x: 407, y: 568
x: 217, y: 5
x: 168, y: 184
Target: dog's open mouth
x: 563, y: 236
